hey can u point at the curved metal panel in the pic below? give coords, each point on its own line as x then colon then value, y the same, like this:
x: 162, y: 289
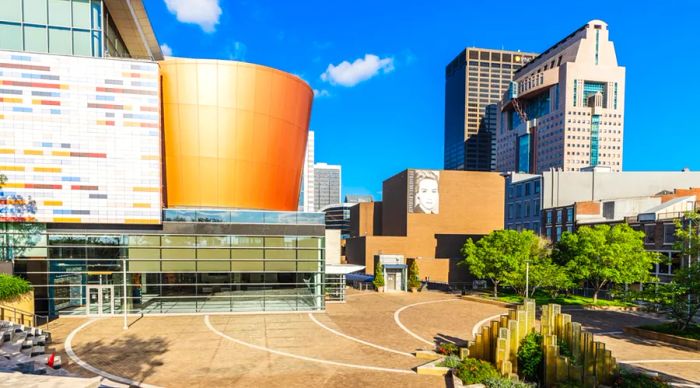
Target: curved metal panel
x: 234, y: 133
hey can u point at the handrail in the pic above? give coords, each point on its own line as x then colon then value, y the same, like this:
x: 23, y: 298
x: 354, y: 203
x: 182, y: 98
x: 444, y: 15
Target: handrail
x: 28, y: 314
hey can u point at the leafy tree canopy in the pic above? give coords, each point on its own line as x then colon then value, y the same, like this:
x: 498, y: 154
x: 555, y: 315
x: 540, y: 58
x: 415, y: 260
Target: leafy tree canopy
x: 602, y: 254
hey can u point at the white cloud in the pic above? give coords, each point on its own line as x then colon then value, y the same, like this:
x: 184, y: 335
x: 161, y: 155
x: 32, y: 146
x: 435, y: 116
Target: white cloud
x: 167, y: 50
x: 318, y: 93
x: 204, y: 13
x: 350, y: 74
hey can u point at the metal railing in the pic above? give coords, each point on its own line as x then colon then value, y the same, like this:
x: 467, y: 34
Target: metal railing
x: 14, y: 313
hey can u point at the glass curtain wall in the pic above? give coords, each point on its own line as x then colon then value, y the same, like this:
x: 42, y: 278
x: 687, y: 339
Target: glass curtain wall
x: 67, y: 27
x: 74, y: 274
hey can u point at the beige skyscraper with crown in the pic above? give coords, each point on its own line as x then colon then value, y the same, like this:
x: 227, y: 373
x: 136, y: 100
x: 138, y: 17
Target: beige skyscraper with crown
x: 565, y: 108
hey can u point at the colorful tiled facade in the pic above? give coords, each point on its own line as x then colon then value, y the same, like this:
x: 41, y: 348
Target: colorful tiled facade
x: 81, y: 137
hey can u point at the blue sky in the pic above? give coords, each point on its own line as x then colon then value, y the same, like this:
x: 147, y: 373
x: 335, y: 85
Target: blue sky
x: 385, y: 113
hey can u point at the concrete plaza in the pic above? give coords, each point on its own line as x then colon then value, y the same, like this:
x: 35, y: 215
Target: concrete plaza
x: 366, y: 342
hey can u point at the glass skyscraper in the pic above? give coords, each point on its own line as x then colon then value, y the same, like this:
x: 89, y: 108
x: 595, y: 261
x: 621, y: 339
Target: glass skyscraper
x: 474, y: 83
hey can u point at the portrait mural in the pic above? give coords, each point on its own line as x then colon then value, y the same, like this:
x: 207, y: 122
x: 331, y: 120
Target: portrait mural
x: 424, y: 192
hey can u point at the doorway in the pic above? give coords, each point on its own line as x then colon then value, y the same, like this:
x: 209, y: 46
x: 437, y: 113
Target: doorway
x: 100, y: 300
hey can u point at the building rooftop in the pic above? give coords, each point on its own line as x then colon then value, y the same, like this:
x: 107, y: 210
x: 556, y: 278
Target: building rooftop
x: 131, y: 19
x: 559, y: 44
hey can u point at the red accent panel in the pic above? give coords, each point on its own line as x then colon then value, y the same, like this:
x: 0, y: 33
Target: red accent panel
x: 83, y: 187
x: 32, y: 84
x: 88, y: 155
x: 24, y: 67
x: 104, y: 106
x: 42, y: 186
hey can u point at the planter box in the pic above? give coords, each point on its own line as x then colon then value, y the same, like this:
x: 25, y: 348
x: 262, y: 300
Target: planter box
x: 432, y: 369
x: 457, y: 383
x: 663, y: 337
x: 427, y: 355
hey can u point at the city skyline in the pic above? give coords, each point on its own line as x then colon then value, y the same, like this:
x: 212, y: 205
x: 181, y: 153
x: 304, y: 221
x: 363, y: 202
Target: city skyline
x: 399, y: 70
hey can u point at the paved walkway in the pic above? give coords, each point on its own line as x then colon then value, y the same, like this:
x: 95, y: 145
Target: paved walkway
x: 363, y: 343
x: 654, y: 355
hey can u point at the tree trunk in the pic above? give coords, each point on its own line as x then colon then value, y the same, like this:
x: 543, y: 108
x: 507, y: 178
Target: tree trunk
x: 596, y: 290
x: 495, y: 289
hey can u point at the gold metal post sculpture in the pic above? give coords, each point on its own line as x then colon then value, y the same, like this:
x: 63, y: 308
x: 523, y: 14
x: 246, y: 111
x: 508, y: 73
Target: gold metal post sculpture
x: 586, y: 361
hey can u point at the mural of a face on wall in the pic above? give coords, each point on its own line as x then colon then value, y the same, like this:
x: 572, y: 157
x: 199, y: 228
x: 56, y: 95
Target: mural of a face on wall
x: 426, y: 192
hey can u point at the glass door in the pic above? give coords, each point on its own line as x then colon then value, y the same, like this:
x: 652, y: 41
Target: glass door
x: 100, y: 300
x: 391, y: 281
x: 93, y: 300
x: 107, y: 307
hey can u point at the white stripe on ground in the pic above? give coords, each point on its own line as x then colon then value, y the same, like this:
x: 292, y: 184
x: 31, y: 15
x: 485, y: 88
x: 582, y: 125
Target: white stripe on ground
x: 68, y: 346
x: 361, y: 294
x: 607, y: 332
x: 475, y: 329
x: 359, y: 340
x: 660, y: 361
x: 404, y: 328
x: 298, y: 357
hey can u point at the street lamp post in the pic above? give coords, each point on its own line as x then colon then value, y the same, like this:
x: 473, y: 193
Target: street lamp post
x: 126, y: 321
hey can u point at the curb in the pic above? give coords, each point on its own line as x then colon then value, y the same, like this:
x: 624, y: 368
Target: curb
x: 663, y: 337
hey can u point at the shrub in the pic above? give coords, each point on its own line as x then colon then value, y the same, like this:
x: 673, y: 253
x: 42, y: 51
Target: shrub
x: 450, y: 361
x: 413, y: 278
x: 473, y: 371
x: 12, y: 286
x: 448, y: 348
x: 634, y: 379
x: 378, y: 275
x: 502, y: 382
x: 530, y: 357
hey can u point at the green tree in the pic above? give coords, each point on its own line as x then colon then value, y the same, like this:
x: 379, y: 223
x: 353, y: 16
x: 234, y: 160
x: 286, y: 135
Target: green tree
x: 378, y: 275
x: 500, y: 256
x: 603, y: 254
x: 413, y: 277
x: 680, y: 298
x: 548, y: 276
x: 19, y: 230
x: 688, y: 236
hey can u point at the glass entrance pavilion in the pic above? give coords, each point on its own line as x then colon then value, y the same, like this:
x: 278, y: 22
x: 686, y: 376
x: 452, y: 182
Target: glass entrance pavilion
x: 197, y: 261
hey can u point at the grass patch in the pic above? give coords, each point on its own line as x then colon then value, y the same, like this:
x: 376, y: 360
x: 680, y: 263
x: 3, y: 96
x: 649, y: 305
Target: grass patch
x: 692, y: 331
x: 575, y: 300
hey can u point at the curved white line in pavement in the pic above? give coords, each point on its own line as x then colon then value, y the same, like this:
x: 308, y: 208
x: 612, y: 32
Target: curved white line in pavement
x: 68, y: 346
x: 316, y: 321
x: 475, y: 329
x: 361, y: 294
x: 659, y: 361
x: 404, y: 328
x: 298, y: 357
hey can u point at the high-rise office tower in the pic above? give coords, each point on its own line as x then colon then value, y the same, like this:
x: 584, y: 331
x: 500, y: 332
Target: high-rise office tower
x: 326, y: 185
x: 564, y: 109
x: 474, y: 83
x: 306, y: 196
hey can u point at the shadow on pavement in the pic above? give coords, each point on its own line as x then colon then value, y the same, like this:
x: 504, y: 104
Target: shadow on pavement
x: 127, y: 356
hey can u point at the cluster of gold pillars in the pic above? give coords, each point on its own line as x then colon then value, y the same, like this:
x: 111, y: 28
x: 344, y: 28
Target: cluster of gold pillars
x: 586, y: 361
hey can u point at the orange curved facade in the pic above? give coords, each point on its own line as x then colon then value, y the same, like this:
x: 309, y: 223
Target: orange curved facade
x: 234, y: 134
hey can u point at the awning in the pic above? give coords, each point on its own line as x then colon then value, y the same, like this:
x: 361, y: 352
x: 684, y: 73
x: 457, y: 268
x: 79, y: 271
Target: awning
x: 342, y: 269
x: 395, y: 266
